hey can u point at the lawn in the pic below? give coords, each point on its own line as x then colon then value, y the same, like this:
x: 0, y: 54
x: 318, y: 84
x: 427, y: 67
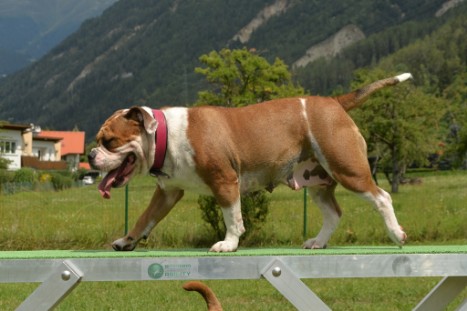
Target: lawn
x: 433, y: 212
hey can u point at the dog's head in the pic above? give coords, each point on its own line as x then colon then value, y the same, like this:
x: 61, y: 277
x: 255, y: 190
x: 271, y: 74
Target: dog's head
x: 125, y: 147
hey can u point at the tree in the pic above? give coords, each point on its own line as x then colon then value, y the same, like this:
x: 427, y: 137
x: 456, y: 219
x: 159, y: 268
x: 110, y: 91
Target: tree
x: 400, y: 124
x: 456, y: 94
x: 242, y: 77
x: 239, y: 78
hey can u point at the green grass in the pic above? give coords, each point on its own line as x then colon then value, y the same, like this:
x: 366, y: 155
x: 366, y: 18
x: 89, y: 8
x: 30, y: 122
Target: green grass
x: 431, y: 213
x: 340, y: 294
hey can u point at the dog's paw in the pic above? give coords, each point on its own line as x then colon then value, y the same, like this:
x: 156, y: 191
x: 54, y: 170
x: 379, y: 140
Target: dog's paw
x: 224, y: 246
x: 398, y: 236
x: 313, y: 244
x: 124, y: 244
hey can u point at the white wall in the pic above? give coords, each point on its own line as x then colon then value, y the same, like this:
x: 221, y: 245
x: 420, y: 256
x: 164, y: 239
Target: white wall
x: 14, y: 138
x: 44, y: 150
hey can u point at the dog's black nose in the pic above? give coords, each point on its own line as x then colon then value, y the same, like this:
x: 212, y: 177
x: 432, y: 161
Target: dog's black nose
x: 92, y: 155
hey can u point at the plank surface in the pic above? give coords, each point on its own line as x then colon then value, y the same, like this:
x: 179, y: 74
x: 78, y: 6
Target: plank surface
x: 345, y: 250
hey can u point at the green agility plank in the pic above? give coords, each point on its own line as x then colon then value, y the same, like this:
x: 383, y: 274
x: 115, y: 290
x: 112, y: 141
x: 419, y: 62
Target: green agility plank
x: 141, y: 253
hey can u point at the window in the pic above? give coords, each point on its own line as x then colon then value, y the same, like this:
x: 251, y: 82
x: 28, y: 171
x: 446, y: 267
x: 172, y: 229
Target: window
x: 7, y: 147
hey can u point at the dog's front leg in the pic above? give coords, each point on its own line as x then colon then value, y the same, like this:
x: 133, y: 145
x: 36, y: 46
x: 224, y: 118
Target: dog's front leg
x: 227, y: 194
x: 234, y: 226
x: 161, y: 203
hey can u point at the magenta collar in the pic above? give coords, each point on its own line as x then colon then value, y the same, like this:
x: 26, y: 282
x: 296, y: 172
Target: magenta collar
x: 161, y: 143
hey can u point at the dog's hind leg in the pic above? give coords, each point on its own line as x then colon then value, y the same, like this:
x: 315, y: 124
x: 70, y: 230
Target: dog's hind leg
x: 363, y: 185
x: 161, y: 203
x: 324, y: 198
x: 342, y: 152
x: 383, y: 204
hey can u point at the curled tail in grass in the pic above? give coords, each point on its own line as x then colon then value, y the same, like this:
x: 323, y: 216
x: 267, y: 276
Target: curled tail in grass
x: 208, y: 295
x: 356, y: 98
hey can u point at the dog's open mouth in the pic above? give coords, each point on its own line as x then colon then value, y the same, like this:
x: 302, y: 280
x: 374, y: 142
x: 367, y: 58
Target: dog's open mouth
x: 117, y: 177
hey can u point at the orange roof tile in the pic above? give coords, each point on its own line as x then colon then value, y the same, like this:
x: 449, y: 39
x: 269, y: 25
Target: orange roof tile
x: 85, y: 165
x: 72, y: 142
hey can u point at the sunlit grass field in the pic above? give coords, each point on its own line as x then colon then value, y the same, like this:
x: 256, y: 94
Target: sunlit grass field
x: 433, y: 212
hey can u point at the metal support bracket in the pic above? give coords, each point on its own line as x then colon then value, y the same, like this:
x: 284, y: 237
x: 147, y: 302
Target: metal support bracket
x: 443, y: 293
x: 292, y: 288
x: 463, y: 306
x: 59, y: 284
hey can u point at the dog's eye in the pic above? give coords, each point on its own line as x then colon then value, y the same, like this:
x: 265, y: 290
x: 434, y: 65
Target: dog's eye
x: 107, y: 143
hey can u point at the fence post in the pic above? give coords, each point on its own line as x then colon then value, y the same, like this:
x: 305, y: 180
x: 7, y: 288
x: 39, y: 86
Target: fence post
x: 305, y: 213
x: 126, y: 209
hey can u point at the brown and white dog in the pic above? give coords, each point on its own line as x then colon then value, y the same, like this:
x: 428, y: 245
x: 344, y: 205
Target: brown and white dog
x: 225, y: 152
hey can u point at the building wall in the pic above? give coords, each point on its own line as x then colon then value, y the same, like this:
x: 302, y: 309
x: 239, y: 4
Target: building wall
x: 44, y: 150
x: 11, y: 146
x: 27, y: 141
x: 73, y: 161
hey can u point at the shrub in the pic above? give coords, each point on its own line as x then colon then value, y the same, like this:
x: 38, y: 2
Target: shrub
x: 79, y: 174
x: 45, y: 178
x: 4, y: 163
x: 254, y: 211
x: 61, y: 182
x: 212, y: 214
x: 5, y: 176
x: 25, y: 175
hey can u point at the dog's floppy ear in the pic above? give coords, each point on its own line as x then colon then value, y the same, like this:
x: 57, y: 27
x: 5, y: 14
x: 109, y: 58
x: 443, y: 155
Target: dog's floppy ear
x: 143, y: 118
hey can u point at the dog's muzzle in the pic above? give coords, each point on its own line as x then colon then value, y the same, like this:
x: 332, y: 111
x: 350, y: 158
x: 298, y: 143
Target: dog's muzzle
x: 91, y: 158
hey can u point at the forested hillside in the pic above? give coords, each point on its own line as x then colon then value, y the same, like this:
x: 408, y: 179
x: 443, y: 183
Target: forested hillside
x: 325, y: 75
x: 30, y: 28
x: 145, y: 52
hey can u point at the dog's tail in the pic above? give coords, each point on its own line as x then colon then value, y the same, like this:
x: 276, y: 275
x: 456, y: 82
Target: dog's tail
x: 206, y: 292
x: 356, y: 98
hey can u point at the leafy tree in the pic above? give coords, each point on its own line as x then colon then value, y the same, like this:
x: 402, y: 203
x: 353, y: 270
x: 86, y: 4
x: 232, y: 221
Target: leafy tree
x: 400, y: 124
x: 456, y: 94
x: 438, y: 63
x: 238, y: 78
x: 242, y: 77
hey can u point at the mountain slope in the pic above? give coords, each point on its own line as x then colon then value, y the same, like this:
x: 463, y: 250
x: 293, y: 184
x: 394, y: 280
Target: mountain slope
x: 145, y: 52
x: 30, y: 28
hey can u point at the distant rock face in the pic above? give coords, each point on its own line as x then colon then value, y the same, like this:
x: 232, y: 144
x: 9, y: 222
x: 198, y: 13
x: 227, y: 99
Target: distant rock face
x: 447, y: 6
x: 331, y: 46
x: 277, y: 8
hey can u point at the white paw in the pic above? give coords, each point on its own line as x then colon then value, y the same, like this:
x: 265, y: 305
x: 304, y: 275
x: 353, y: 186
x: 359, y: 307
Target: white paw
x: 224, y: 246
x: 398, y: 236
x: 124, y: 244
x: 314, y: 244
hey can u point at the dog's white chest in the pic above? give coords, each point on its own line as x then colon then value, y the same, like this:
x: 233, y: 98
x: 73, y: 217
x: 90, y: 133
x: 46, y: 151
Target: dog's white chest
x: 180, y: 164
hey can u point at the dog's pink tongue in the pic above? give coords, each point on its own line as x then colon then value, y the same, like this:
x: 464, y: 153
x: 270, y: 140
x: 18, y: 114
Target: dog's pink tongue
x: 106, y: 184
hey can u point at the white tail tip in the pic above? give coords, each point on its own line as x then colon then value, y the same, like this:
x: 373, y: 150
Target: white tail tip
x: 404, y: 76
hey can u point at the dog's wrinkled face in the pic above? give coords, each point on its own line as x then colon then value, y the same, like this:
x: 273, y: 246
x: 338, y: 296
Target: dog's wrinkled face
x: 125, y: 147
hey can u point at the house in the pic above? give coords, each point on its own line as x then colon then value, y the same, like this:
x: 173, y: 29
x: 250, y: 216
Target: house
x: 15, y: 141
x: 28, y: 146
x: 70, y: 147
